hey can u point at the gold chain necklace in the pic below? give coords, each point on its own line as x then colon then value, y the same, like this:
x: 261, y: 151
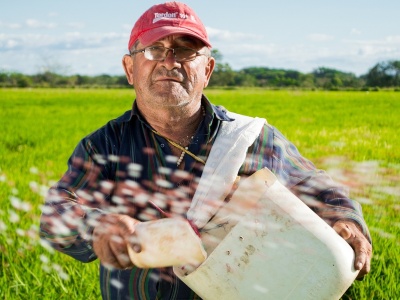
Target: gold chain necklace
x: 183, y: 149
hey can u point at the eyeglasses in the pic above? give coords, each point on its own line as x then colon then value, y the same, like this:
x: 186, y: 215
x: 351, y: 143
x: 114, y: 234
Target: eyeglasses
x: 159, y: 53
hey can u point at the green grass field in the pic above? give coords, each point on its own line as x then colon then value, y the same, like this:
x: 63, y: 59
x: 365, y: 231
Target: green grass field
x: 353, y: 135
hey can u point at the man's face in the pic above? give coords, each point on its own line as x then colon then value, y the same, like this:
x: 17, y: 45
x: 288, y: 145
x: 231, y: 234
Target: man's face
x: 168, y: 82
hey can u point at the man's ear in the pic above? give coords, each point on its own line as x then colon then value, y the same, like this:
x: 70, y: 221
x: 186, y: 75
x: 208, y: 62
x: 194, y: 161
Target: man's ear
x: 209, y: 69
x: 127, y: 64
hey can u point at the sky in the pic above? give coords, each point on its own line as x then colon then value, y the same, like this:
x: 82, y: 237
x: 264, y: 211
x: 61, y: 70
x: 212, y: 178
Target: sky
x: 90, y: 37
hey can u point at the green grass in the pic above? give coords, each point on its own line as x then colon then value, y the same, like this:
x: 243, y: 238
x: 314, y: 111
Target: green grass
x: 354, y: 135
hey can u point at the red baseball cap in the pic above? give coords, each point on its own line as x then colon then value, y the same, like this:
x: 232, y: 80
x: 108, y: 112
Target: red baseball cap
x: 165, y: 19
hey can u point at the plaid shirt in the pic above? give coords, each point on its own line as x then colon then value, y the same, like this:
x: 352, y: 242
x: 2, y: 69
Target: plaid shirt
x: 126, y: 151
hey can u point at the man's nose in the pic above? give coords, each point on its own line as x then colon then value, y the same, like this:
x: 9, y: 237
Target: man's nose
x: 170, y: 54
x: 170, y: 60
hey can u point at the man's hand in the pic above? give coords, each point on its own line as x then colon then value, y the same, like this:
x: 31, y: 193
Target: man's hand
x: 350, y: 232
x: 111, y: 237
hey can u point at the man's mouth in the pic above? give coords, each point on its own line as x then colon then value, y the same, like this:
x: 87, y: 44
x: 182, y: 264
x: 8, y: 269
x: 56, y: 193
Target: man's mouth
x: 174, y: 79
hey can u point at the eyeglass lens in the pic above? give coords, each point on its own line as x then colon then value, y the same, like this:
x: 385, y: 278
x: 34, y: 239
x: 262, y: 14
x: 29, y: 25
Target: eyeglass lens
x: 160, y: 53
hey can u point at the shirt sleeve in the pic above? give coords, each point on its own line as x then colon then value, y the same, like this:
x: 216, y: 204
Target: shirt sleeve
x: 68, y: 216
x: 314, y: 187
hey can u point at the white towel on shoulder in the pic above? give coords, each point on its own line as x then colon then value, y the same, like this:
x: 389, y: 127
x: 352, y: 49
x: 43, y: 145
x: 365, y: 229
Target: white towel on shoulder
x: 223, y: 163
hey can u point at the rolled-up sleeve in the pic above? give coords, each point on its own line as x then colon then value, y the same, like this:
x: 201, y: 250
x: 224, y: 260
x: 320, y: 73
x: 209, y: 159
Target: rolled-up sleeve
x: 314, y: 187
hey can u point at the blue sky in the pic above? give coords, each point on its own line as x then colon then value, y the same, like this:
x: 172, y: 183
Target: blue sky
x: 90, y: 37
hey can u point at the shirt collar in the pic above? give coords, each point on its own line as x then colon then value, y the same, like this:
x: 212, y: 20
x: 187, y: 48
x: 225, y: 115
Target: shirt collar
x: 218, y: 111
x: 212, y: 111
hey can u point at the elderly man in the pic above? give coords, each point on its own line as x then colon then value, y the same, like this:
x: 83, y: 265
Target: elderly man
x: 147, y: 162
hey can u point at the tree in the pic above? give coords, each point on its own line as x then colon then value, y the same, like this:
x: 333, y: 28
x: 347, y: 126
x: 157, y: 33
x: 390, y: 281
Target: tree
x: 19, y: 80
x: 266, y: 77
x: 4, y: 79
x: 384, y: 74
x: 82, y: 80
x: 223, y: 74
x: 328, y: 78
x: 217, y: 55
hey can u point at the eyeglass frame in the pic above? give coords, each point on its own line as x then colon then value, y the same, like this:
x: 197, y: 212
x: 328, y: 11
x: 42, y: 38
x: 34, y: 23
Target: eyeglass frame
x: 197, y: 53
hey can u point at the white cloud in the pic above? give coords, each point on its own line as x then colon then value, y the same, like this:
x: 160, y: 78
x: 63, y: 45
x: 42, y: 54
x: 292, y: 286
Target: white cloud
x: 16, y: 41
x: 319, y: 37
x: 10, y: 25
x: 67, y: 41
x: 355, y: 31
x: 385, y: 48
x: 356, y: 56
x: 95, y: 53
x: 217, y: 35
x: 33, y: 23
x: 76, y: 25
x: 74, y: 52
x: 127, y: 27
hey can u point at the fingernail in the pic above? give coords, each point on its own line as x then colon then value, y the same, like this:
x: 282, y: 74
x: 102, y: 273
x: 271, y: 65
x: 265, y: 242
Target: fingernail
x: 137, y: 248
x: 359, y: 266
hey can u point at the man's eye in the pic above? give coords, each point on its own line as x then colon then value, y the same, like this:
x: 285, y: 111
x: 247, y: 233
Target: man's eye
x: 156, y: 48
x: 185, y: 50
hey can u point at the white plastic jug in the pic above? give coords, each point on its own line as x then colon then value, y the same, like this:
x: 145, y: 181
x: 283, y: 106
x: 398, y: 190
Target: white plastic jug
x: 281, y: 250
x: 167, y: 242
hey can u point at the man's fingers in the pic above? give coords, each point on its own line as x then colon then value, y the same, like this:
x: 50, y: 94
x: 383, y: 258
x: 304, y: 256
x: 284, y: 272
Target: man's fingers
x: 119, y: 252
x: 362, y: 248
x: 112, y: 253
x: 363, y: 251
x: 110, y: 240
x: 134, y: 243
x: 121, y: 258
x: 105, y: 254
x: 343, y: 230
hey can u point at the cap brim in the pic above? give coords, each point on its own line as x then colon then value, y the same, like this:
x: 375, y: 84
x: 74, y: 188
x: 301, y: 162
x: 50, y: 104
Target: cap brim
x: 149, y: 37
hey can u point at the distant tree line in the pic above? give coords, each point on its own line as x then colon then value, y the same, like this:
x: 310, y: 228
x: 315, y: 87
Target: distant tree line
x: 382, y: 75
x: 53, y: 80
